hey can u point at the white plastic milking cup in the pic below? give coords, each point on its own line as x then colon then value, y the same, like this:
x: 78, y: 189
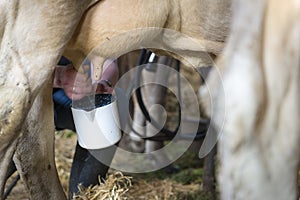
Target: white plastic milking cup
x: 99, y: 127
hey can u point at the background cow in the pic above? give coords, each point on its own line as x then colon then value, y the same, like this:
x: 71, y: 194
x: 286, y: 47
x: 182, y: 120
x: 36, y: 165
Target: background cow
x: 259, y: 149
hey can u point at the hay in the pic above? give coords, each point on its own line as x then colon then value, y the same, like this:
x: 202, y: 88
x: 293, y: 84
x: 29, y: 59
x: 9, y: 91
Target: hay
x: 114, y: 187
x: 161, y: 189
x: 120, y: 187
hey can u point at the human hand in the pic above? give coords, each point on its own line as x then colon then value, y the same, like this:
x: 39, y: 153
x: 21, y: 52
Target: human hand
x: 104, y: 86
x: 109, y: 77
x: 76, y: 85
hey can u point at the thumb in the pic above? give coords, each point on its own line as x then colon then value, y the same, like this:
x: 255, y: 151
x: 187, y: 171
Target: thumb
x: 100, y: 88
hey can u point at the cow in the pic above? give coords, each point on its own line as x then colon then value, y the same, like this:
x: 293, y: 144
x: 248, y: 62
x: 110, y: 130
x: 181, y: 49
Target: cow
x: 259, y: 147
x: 35, y: 34
x: 111, y: 35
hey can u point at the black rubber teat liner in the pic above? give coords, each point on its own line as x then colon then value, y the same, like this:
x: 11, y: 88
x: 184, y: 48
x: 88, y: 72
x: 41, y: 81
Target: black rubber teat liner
x: 91, y: 102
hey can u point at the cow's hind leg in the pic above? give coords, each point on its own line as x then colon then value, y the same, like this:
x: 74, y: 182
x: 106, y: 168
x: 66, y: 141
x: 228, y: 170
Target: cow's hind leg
x: 4, y: 166
x: 14, y: 101
x: 137, y: 144
x: 156, y: 95
x: 34, y: 155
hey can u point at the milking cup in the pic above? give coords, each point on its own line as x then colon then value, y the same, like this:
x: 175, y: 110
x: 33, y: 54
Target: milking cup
x: 97, y: 121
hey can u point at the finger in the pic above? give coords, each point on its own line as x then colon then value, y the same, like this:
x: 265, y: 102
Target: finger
x: 82, y: 80
x: 109, y: 90
x: 77, y: 96
x: 104, y: 89
x: 84, y: 90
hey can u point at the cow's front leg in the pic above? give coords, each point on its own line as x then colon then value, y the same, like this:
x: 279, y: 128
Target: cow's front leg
x: 34, y: 155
